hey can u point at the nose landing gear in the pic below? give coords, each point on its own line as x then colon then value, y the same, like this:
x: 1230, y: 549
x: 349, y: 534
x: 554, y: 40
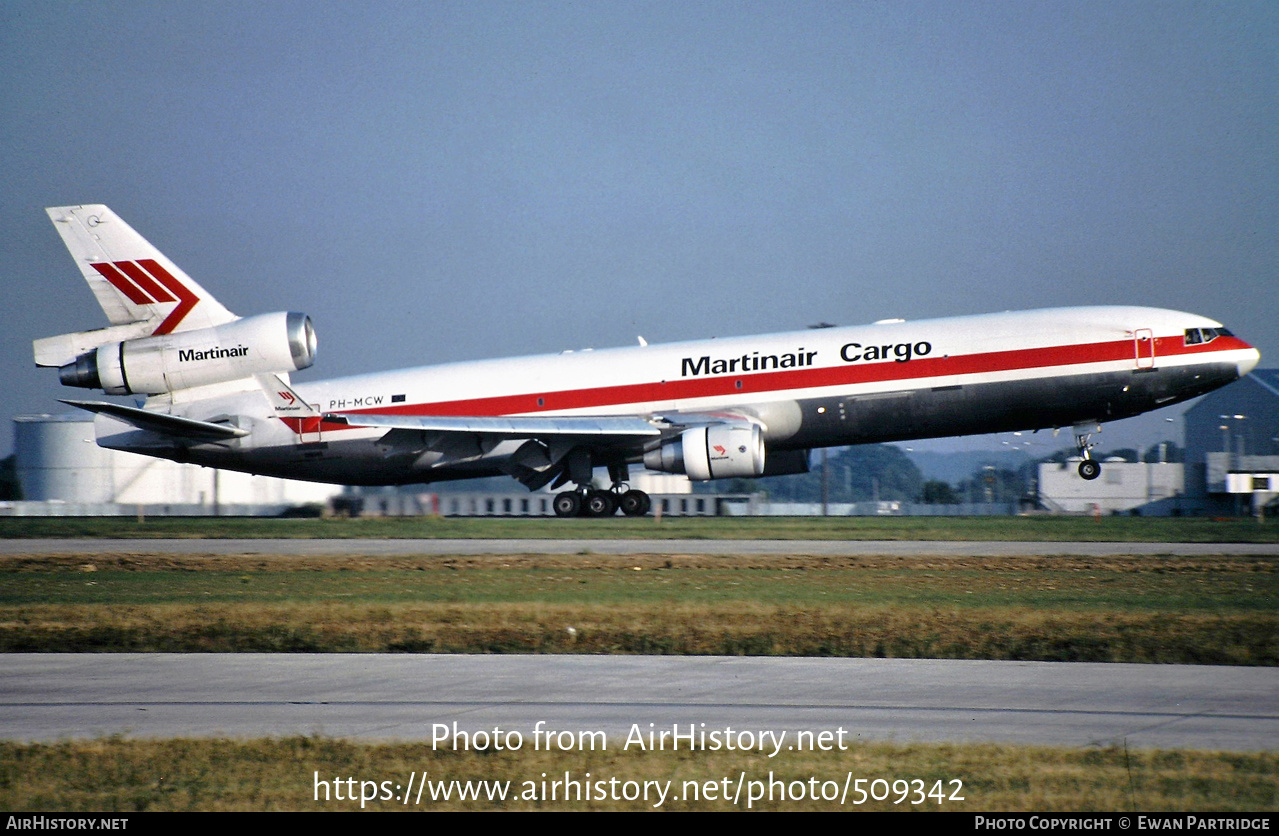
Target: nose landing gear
x: 1089, y: 468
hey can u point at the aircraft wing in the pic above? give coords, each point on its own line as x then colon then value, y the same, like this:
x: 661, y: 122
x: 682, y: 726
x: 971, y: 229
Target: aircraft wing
x: 550, y: 449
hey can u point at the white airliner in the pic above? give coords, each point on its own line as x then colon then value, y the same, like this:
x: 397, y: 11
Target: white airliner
x: 218, y: 392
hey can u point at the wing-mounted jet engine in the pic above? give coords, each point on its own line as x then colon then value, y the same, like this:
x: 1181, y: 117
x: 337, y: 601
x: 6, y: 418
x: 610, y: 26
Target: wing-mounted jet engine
x: 715, y: 451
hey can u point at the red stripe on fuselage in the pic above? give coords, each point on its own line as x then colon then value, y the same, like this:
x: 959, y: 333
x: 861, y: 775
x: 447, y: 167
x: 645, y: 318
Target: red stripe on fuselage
x: 915, y: 370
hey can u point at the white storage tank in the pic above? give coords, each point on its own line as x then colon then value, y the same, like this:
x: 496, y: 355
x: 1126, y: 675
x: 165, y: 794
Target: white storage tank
x: 57, y: 458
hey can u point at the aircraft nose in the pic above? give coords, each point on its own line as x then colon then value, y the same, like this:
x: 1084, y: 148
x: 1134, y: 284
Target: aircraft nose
x: 1249, y: 361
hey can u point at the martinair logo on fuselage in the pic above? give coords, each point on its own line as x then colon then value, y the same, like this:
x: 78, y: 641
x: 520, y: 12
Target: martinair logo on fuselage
x: 755, y: 361
x: 189, y: 355
x: 752, y: 362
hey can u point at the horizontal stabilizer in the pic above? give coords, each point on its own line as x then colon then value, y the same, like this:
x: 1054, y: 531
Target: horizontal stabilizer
x: 159, y: 422
x: 512, y: 427
x: 65, y: 348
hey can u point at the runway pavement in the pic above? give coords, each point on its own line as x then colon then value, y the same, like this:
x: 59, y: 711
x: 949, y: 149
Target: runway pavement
x: 48, y: 697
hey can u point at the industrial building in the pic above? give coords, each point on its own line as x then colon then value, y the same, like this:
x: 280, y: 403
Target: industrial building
x: 1232, y: 446
x: 1150, y: 488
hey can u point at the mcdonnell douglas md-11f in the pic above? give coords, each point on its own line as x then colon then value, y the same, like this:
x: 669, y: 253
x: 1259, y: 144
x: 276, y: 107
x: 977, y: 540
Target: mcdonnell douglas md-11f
x: 217, y: 388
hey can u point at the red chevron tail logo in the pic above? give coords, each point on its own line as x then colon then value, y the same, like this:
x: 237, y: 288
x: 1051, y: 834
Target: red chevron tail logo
x: 146, y: 282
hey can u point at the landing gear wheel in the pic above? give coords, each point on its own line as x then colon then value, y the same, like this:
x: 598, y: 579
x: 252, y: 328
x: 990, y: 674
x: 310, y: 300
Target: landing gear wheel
x: 599, y: 504
x: 567, y: 504
x: 1089, y: 469
x: 635, y: 503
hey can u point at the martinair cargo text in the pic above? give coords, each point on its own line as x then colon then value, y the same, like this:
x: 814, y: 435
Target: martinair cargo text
x: 218, y: 392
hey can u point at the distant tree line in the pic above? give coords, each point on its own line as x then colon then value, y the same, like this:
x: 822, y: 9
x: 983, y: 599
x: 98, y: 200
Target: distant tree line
x: 9, y: 489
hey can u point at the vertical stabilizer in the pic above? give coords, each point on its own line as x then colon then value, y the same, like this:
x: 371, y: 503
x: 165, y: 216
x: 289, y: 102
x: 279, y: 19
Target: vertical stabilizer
x: 132, y: 280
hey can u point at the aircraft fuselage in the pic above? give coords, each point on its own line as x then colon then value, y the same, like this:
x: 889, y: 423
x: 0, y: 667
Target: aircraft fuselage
x: 823, y: 387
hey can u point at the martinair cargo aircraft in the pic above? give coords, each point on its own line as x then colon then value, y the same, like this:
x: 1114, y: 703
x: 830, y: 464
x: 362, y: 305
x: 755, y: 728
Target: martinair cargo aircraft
x: 218, y: 392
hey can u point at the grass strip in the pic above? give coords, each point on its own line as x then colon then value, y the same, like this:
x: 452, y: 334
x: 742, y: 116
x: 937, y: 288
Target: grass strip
x: 1209, y: 610
x: 683, y: 630
x: 119, y: 775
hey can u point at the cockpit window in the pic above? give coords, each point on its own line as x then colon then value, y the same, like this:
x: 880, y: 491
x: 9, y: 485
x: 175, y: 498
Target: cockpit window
x: 1196, y: 336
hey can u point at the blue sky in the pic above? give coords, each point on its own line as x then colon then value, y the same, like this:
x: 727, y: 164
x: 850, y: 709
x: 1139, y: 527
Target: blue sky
x: 445, y: 181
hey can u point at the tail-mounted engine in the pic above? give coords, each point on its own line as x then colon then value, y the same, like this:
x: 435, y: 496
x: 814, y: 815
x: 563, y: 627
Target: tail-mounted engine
x: 715, y: 451
x: 275, y: 342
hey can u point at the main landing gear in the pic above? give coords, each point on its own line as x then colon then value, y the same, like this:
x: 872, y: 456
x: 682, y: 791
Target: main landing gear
x: 586, y: 501
x: 592, y: 502
x: 1089, y: 468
